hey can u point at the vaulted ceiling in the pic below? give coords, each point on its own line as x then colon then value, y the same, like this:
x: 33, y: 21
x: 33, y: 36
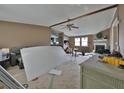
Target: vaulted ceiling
x: 47, y: 15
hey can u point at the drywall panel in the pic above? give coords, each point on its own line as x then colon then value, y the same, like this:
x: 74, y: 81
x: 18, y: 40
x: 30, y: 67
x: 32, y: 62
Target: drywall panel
x: 39, y: 60
x: 121, y: 28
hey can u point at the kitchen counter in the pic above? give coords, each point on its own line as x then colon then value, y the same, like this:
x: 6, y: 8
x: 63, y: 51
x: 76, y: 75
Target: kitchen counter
x: 98, y: 75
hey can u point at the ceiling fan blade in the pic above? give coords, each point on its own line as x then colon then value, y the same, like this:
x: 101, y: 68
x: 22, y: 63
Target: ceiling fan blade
x: 75, y: 27
x: 84, y: 15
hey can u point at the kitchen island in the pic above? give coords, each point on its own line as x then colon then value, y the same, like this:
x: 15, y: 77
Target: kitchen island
x: 98, y: 75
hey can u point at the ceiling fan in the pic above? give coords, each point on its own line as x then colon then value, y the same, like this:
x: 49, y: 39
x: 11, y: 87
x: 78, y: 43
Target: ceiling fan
x: 70, y: 26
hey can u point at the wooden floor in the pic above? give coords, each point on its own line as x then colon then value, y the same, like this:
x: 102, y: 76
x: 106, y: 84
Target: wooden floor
x: 69, y: 79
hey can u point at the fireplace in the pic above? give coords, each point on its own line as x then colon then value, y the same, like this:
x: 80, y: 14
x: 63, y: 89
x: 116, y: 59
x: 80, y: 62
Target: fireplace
x: 100, y: 47
x: 100, y: 44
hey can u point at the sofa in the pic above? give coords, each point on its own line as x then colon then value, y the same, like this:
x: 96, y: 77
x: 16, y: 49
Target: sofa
x: 15, y: 57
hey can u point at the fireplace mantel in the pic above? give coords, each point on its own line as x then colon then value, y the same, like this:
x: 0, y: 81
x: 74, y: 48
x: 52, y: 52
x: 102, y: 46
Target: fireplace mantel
x: 100, y: 42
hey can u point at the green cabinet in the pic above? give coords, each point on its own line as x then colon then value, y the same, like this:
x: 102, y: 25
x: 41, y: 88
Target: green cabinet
x: 96, y: 75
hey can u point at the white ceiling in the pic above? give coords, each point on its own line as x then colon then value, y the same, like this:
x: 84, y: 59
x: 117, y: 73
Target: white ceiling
x: 47, y: 15
x: 90, y: 24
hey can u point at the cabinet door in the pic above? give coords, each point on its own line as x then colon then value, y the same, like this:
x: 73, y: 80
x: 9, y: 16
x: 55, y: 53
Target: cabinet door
x: 89, y: 83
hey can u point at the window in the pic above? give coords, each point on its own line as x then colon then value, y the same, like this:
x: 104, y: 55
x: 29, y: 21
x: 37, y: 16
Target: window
x: 84, y: 41
x: 77, y: 41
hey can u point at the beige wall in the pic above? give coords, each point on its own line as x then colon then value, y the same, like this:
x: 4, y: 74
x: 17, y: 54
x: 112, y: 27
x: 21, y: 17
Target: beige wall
x: 105, y: 32
x: 121, y: 28
x: 19, y: 35
x: 119, y: 14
